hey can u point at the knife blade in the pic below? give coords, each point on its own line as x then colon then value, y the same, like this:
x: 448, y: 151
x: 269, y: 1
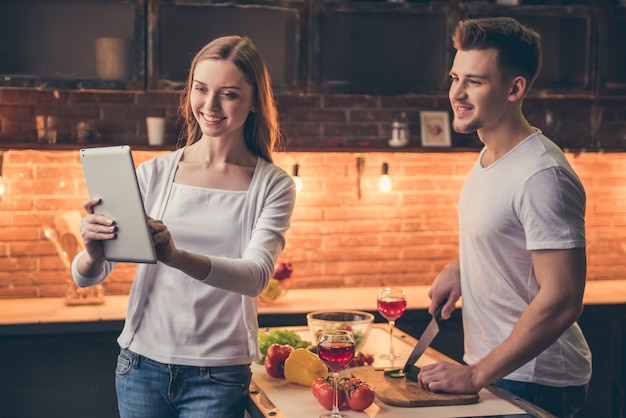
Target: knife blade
x: 427, y: 337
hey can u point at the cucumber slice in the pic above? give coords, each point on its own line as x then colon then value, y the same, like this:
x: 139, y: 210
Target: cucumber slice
x: 412, y: 373
x: 395, y: 373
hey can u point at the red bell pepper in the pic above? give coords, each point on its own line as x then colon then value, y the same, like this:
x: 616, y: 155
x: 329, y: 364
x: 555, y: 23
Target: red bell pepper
x: 275, y: 359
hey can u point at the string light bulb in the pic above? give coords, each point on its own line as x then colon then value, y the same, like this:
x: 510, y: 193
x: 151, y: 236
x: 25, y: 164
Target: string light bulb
x: 296, y: 177
x: 384, y: 183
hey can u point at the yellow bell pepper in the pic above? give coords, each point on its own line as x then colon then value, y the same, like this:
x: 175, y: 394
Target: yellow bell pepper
x: 303, y: 367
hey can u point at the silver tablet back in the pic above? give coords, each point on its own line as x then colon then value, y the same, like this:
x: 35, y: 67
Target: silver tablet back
x: 110, y: 175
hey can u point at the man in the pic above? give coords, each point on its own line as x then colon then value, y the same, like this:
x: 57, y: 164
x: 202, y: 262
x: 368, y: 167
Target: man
x: 522, y: 261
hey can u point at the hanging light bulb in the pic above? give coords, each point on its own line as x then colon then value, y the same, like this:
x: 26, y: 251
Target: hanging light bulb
x: 384, y: 183
x: 296, y: 177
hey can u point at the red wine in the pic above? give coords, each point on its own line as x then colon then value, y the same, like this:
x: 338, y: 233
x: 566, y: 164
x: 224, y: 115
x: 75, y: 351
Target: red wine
x: 391, y: 308
x: 336, y: 354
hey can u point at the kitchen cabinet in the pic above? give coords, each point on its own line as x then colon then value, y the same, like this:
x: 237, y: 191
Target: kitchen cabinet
x: 342, y: 69
x: 73, y: 44
x: 569, y: 42
x: 380, y: 48
x: 311, y: 46
x: 59, y: 370
x: 276, y: 27
x: 613, y: 53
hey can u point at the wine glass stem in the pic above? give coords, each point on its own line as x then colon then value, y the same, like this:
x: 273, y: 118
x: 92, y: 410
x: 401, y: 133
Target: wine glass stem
x: 335, y: 412
x: 392, y: 323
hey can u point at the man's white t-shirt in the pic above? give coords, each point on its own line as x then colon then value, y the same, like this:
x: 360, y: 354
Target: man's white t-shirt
x: 529, y: 199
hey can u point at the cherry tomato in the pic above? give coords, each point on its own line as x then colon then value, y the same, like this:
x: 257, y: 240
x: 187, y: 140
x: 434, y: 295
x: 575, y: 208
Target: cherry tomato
x: 360, y: 395
x: 361, y: 359
x: 348, y: 383
x: 315, y: 386
x: 324, y: 392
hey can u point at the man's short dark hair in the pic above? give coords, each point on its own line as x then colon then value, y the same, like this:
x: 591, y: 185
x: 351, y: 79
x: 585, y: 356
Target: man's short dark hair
x: 519, y: 47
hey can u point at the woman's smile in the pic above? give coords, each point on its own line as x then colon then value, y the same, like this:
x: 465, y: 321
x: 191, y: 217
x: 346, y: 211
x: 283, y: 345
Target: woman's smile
x: 211, y: 120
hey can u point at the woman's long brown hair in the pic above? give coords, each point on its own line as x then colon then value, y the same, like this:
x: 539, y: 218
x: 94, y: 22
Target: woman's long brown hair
x: 261, y: 130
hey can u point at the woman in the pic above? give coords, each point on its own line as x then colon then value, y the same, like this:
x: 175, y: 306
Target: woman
x: 218, y: 210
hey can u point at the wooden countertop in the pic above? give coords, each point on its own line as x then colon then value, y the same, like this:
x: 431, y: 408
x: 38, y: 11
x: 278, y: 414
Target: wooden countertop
x: 296, y: 301
x: 280, y: 398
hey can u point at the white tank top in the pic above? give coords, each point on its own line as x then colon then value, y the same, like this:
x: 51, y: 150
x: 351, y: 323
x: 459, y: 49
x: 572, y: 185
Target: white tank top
x: 185, y: 321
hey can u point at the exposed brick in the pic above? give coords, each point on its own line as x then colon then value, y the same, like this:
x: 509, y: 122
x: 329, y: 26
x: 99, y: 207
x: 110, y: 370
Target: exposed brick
x: 294, y: 101
x: 101, y: 97
x: 317, y: 115
x: 350, y: 101
x: 350, y: 129
x: 158, y: 99
x: 372, y: 115
x: 413, y: 101
x: 295, y: 130
x: 336, y: 239
x: 9, y: 112
x: 19, y: 292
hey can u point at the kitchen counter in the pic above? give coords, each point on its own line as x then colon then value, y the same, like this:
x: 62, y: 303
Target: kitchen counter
x: 278, y: 398
x: 296, y: 301
x: 37, y: 333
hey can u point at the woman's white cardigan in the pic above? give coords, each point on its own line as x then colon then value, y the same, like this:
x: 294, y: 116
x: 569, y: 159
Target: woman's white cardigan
x: 268, y: 208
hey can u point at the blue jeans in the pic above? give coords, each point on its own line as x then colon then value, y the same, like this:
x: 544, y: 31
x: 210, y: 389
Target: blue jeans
x: 564, y: 402
x: 149, y: 389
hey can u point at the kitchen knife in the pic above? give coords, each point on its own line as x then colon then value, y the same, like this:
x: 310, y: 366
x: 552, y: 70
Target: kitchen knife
x: 427, y: 337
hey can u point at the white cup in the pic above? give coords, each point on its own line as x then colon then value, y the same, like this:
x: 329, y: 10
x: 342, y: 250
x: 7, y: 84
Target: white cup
x: 156, y: 130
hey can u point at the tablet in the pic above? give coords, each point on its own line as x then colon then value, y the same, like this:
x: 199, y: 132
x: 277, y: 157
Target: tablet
x: 110, y: 175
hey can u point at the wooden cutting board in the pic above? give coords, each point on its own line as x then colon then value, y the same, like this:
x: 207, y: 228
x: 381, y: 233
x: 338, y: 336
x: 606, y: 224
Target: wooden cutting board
x: 406, y: 393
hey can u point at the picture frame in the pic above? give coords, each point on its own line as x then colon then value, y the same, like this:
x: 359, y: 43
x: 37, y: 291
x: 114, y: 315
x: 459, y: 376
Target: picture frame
x: 435, y: 128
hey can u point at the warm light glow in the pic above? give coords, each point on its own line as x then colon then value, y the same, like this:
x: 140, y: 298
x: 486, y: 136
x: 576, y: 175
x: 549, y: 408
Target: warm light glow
x: 49, y: 233
x: 298, y: 182
x: 2, y: 185
x: 384, y: 183
x: 296, y: 178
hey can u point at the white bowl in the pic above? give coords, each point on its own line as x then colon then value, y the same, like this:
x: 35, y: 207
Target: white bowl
x: 356, y: 321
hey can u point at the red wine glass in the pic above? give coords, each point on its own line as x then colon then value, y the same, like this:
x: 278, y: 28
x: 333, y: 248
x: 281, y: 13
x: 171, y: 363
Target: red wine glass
x: 391, y: 304
x: 336, y: 349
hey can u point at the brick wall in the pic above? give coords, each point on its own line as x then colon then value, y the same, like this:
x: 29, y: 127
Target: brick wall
x: 336, y: 239
x: 309, y: 121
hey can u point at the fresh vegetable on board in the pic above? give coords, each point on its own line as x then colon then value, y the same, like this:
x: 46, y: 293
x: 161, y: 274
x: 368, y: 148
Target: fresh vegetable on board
x: 359, y: 394
x: 361, y: 359
x: 411, y: 373
x: 275, y: 360
x: 324, y: 391
x: 282, y: 337
x: 303, y: 367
